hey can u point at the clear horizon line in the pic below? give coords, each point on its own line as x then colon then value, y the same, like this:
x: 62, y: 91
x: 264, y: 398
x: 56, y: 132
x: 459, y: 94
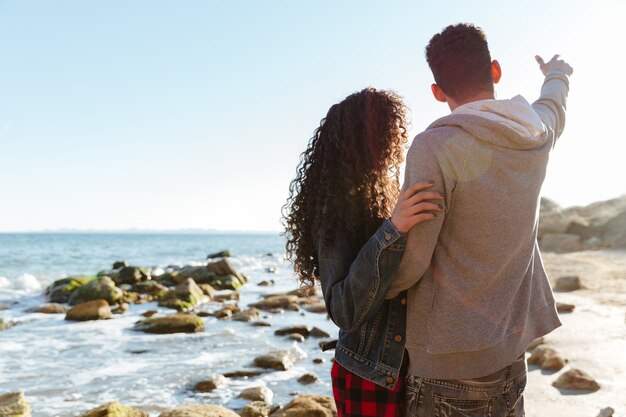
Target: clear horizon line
x: 142, y: 231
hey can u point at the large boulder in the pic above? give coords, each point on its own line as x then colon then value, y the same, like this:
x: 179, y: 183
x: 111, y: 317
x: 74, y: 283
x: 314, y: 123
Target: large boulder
x: 204, y: 410
x: 184, y: 297
x: 132, y: 275
x: 176, y: 323
x: 114, y: 409
x: 91, y: 310
x: 561, y: 243
x: 615, y: 232
x: 13, y: 404
x: 200, y: 274
x: 100, y: 289
x: 61, y: 290
x: 309, y: 406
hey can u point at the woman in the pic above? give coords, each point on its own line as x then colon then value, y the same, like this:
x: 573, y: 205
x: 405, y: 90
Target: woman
x: 343, y: 229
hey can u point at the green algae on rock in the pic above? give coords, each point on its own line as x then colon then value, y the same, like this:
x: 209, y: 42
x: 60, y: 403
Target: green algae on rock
x: 13, y: 404
x: 61, y: 290
x: 100, y: 289
x: 176, y: 323
x: 114, y: 409
x: 183, y: 297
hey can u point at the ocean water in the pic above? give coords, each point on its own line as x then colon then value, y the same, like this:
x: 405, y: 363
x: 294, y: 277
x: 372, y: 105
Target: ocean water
x: 66, y: 368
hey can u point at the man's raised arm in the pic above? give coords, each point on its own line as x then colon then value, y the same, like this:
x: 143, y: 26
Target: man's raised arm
x: 551, y: 103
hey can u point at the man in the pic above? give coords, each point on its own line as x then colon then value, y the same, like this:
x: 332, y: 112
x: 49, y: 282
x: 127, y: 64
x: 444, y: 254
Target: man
x: 478, y: 292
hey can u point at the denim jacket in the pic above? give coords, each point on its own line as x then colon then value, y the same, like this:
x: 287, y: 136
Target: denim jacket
x: 354, y: 283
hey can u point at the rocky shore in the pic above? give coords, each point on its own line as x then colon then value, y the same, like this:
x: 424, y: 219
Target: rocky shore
x: 583, y: 250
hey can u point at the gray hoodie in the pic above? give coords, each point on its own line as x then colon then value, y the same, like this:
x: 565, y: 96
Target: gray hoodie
x: 478, y: 292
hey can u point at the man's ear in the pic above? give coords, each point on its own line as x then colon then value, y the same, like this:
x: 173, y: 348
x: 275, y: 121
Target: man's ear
x: 496, y: 71
x: 438, y: 93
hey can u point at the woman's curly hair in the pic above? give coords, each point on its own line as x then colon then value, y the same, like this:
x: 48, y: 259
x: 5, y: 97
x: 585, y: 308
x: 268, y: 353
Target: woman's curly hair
x: 348, y: 177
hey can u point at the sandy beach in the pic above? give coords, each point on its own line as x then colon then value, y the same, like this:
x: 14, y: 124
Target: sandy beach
x: 592, y: 338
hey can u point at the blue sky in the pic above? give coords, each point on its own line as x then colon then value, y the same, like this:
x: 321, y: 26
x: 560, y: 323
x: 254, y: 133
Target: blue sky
x: 169, y: 114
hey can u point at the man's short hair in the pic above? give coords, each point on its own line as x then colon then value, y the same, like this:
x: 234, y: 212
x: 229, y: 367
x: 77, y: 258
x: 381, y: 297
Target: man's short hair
x: 460, y: 61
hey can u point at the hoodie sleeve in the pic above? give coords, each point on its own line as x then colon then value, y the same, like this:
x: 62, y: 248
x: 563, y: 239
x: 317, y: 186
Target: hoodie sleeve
x: 427, y: 159
x: 551, y: 104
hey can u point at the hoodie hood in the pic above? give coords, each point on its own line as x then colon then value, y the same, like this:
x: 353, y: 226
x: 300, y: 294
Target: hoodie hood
x: 509, y: 123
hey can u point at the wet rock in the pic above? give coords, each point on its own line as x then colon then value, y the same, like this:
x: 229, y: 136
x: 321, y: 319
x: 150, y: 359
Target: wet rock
x: 61, y: 290
x: 567, y: 284
x: 538, y: 341
x: 317, y: 332
x: 260, y: 393
x: 221, y: 268
x: 249, y: 315
x: 243, y: 374
x: 13, y: 404
x: 297, y: 337
x: 303, y: 330
x: 208, y: 290
x: 270, y: 269
x: 293, y: 307
x: 256, y: 409
x: 262, y: 324
x: 114, y: 409
x: 307, y: 379
x: 276, y: 301
x: 606, y: 412
x: 119, y: 265
x: 561, y: 243
x: 317, y: 307
x: 319, y: 361
x: 565, y: 308
x: 171, y: 278
x: 132, y: 275
x: 91, y: 310
x: 101, y: 289
x: 5, y: 324
x: 223, y: 314
x: 151, y: 287
x: 121, y: 308
x: 176, y: 323
x: 220, y: 254
x: 209, y: 385
x: 149, y: 313
x: 280, y: 360
x: 184, y: 297
x: 204, y: 410
x: 203, y: 314
x: 226, y: 296
x: 578, y: 380
x: 547, y: 358
x: 227, y: 282
x: 50, y: 308
x: 266, y: 283
x: 309, y: 406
